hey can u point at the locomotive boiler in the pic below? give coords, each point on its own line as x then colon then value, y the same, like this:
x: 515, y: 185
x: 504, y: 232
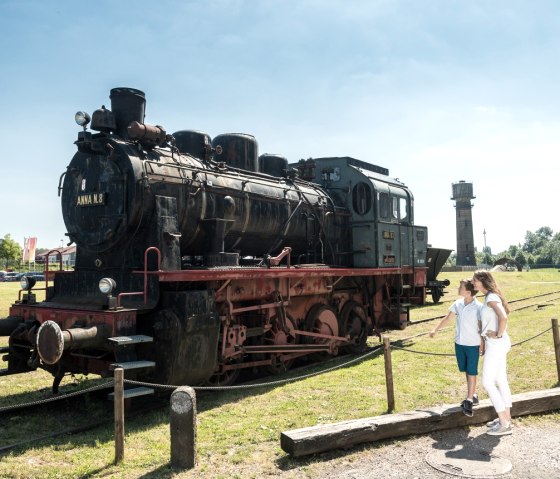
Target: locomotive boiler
x: 197, y: 258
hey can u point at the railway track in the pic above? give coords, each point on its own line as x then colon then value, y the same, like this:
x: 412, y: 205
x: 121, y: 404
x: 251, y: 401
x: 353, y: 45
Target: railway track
x: 137, y: 410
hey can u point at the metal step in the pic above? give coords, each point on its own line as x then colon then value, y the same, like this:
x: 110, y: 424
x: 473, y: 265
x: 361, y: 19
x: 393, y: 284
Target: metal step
x: 126, y: 365
x: 132, y: 392
x: 134, y: 339
x: 4, y: 372
x: 4, y: 349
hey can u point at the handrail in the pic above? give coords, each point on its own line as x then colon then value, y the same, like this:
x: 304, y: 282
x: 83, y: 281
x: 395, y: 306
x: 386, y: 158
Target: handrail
x: 47, y: 261
x: 145, y: 291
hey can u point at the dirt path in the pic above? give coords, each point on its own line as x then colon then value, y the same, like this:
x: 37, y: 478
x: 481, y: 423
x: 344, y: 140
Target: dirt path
x: 533, y: 449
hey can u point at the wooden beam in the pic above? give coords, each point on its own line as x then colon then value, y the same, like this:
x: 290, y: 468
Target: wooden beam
x: 327, y: 437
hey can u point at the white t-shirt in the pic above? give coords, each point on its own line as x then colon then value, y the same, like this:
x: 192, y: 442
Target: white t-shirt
x: 488, y: 316
x: 466, y: 323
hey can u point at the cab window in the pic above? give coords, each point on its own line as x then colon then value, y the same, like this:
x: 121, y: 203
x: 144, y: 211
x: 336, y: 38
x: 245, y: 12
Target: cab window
x: 402, y: 209
x: 361, y: 198
x: 384, y: 205
x: 395, y: 207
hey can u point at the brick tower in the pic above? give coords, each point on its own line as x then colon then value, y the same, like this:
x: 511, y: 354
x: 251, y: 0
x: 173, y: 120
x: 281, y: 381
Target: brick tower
x: 462, y: 195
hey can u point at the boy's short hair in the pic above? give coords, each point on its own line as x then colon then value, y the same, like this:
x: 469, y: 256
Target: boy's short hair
x: 469, y: 286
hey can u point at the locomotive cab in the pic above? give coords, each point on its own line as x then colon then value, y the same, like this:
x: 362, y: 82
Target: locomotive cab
x: 382, y: 212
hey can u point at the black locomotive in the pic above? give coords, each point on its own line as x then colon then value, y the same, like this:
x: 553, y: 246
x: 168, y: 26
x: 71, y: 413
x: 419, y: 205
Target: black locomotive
x: 196, y: 258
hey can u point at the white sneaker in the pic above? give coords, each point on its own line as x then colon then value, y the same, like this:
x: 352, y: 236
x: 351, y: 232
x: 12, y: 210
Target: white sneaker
x: 493, y: 423
x: 499, y: 430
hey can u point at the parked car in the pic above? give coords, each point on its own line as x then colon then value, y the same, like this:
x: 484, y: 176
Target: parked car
x: 12, y: 276
x: 35, y: 274
x: 2, y: 276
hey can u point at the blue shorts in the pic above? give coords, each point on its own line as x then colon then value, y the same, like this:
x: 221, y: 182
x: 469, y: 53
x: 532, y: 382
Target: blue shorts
x: 467, y: 358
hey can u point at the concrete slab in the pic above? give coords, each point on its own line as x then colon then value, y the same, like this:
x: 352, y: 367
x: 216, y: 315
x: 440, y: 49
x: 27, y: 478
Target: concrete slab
x: 469, y: 462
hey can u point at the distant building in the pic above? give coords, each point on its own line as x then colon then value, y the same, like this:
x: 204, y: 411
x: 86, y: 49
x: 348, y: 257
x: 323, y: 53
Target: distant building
x: 462, y: 195
x: 68, y: 257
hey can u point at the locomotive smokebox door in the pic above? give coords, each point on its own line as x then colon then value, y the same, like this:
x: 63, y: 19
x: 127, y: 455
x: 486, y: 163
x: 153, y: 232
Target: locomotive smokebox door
x: 167, y: 234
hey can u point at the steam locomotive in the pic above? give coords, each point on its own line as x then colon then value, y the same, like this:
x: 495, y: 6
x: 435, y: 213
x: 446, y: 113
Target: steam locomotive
x: 197, y: 258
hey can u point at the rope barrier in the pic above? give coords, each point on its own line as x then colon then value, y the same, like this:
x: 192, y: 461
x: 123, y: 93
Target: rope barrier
x: 58, y: 398
x: 529, y: 339
x: 316, y: 373
x: 450, y: 354
x: 251, y: 386
x: 266, y: 384
x: 421, y: 352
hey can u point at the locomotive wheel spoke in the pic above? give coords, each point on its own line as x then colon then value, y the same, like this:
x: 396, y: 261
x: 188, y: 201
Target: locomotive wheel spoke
x: 282, y: 337
x: 224, y: 378
x: 279, y: 366
x: 322, y: 319
x: 353, y: 324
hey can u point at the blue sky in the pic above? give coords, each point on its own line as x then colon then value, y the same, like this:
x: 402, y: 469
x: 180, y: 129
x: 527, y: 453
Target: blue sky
x: 435, y: 90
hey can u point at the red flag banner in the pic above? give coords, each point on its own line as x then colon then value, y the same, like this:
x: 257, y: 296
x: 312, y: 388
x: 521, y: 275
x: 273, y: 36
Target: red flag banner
x: 29, y: 245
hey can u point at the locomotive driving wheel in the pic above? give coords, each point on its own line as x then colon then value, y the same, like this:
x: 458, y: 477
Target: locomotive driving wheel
x: 225, y: 376
x: 353, y: 323
x: 322, y: 319
x: 282, y: 333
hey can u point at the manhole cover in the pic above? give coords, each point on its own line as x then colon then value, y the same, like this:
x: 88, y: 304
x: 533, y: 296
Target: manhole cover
x: 468, y: 462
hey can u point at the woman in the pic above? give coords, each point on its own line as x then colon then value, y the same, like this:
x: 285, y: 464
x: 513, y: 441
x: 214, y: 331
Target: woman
x: 493, y: 315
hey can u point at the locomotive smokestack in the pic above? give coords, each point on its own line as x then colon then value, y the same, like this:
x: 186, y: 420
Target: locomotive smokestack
x: 127, y: 105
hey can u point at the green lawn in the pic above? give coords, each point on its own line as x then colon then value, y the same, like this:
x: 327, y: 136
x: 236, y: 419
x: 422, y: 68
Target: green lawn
x: 238, y: 431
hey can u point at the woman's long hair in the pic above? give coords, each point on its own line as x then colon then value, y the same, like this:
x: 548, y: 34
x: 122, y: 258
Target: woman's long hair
x: 490, y: 285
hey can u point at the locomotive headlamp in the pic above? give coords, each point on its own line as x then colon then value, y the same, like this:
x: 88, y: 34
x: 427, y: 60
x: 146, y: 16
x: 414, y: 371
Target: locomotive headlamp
x: 27, y: 283
x: 82, y: 118
x: 107, y: 285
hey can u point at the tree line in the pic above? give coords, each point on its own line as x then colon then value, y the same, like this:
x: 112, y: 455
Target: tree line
x: 11, y: 253
x: 540, y: 249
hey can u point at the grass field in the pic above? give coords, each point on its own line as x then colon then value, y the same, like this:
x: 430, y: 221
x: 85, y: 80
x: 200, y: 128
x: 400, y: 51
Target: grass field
x: 238, y: 431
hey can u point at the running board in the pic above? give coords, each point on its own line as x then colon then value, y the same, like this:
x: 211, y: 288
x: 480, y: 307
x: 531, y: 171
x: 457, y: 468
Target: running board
x: 132, y: 392
x: 133, y: 365
x: 134, y: 339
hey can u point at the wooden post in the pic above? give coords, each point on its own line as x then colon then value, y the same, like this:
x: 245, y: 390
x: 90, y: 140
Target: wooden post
x: 183, y: 428
x: 556, y: 337
x: 119, y: 415
x: 388, y: 374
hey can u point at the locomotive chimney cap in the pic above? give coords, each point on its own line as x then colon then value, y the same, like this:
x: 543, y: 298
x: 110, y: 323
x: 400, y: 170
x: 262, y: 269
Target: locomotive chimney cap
x: 126, y: 91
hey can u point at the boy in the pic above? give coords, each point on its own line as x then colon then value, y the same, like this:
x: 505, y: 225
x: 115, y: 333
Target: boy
x: 469, y: 346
